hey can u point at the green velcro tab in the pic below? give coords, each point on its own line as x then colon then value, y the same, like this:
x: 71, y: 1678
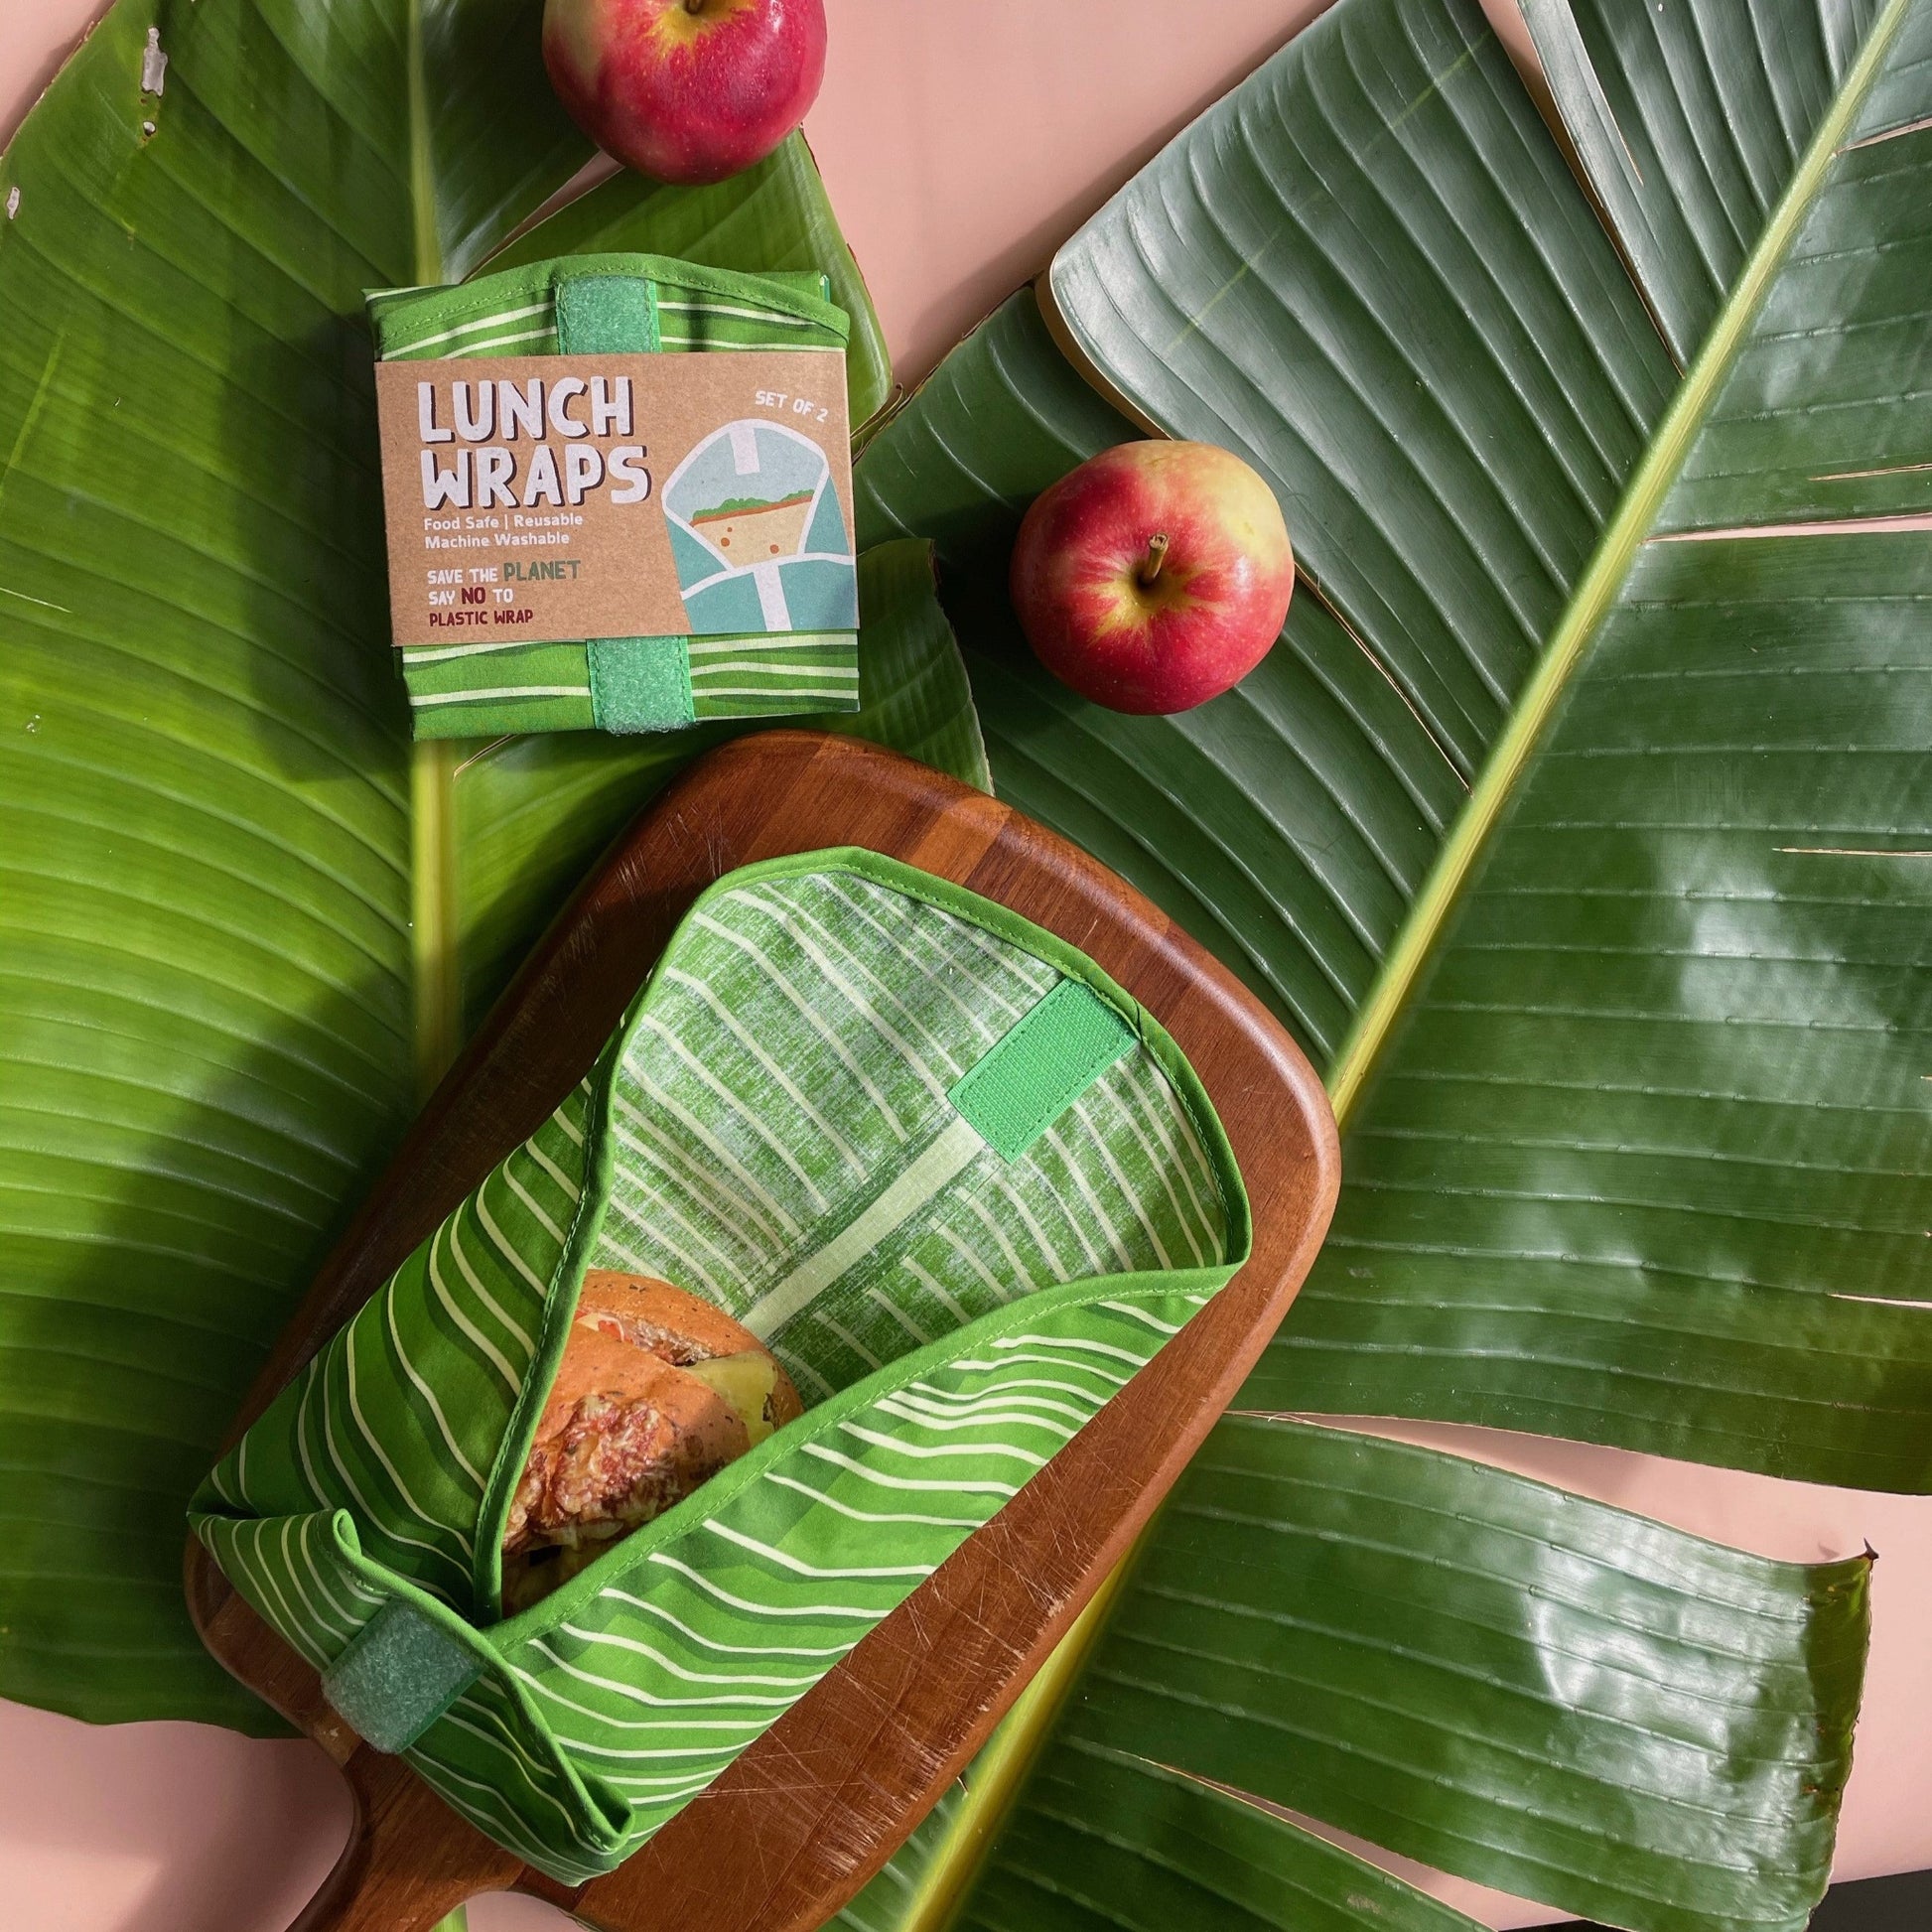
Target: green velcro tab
x: 640, y: 684
x: 1041, y: 1068
x: 606, y: 314
x: 397, y: 1677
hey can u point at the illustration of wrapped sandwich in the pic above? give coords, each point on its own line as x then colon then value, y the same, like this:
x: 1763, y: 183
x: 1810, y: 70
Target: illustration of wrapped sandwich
x: 758, y: 534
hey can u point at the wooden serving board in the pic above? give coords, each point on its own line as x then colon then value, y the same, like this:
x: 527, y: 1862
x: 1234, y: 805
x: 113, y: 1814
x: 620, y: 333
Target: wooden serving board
x: 806, y: 1815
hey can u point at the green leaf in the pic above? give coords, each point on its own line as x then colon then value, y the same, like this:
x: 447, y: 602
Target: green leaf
x: 1689, y: 121
x: 963, y: 456
x: 1646, y: 1165
x: 1635, y: 1144
x: 1639, y: 1154
x: 1288, y: 825
x: 1368, y: 270
x: 239, y: 919
x: 888, y: 1900
x: 1476, y: 1670
x: 1500, y: 1678
x: 1103, y: 1839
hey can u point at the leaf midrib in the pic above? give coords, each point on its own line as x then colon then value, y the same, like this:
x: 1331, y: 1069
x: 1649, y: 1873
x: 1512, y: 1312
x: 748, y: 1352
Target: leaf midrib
x: 435, y: 983
x: 1429, y: 918
x: 946, y: 1883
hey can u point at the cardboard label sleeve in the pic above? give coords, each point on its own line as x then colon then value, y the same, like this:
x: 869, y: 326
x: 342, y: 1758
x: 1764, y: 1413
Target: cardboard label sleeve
x: 573, y: 497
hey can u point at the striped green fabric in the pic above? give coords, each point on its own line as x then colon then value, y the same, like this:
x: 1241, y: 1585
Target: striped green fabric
x: 772, y: 1126
x: 485, y: 689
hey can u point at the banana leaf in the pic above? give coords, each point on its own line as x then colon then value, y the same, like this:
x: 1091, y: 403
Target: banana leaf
x: 1483, y: 1673
x: 1690, y: 122
x: 1107, y: 1839
x: 1102, y: 1838
x: 1633, y: 1149
x: 242, y: 924
x: 1497, y: 1678
x: 774, y: 217
x: 1634, y: 1145
x: 892, y: 1897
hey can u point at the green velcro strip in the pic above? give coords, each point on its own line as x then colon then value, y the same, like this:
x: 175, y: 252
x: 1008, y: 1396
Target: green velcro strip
x: 1041, y: 1068
x: 640, y: 684
x: 606, y: 314
x: 397, y: 1677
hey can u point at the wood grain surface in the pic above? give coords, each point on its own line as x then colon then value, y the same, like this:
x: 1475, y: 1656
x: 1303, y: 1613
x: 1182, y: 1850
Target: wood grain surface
x: 812, y: 1809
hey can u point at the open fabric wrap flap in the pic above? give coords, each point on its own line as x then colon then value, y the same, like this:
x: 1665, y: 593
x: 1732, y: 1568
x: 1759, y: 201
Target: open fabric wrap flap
x: 596, y: 305
x: 954, y: 1177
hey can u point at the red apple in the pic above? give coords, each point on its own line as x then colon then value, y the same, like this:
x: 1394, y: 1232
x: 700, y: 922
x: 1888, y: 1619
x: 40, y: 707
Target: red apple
x: 687, y: 90
x: 1155, y: 576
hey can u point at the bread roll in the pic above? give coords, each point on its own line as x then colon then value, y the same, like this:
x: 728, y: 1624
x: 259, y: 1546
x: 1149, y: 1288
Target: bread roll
x: 657, y: 1390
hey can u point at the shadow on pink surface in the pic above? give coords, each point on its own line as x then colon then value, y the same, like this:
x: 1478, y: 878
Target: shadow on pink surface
x: 176, y: 1828
x: 164, y: 1827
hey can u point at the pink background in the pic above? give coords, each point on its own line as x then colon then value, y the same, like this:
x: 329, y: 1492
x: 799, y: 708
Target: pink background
x: 960, y: 144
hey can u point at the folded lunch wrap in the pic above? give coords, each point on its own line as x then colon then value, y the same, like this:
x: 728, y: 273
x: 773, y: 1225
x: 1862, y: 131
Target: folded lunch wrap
x: 955, y: 1179
x: 648, y: 305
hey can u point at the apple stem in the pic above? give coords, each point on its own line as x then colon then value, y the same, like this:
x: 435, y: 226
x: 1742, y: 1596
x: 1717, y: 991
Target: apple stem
x: 1157, y: 555
x: 694, y: 6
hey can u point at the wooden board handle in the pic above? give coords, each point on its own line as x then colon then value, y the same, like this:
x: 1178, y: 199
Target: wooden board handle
x: 409, y: 1863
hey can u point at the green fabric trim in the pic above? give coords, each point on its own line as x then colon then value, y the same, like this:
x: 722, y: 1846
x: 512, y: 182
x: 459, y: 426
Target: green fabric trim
x: 481, y: 692
x: 637, y: 684
x: 399, y: 316
x: 398, y: 1676
x: 599, y: 1812
x: 640, y: 684
x: 1041, y: 1068
x: 606, y: 314
x: 559, y: 1310
x: 512, y: 716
